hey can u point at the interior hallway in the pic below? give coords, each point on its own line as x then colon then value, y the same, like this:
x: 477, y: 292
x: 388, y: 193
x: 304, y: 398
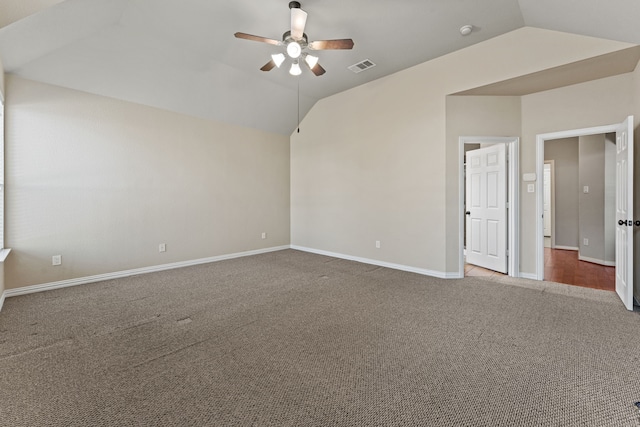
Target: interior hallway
x: 563, y: 266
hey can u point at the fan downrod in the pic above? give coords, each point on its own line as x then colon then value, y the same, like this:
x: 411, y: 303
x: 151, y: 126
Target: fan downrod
x: 294, y: 5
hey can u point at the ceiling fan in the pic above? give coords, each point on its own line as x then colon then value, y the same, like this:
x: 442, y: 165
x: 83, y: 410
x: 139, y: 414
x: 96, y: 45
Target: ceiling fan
x: 296, y: 44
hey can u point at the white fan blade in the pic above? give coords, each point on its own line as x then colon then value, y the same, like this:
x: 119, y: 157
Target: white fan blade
x: 298, y: 21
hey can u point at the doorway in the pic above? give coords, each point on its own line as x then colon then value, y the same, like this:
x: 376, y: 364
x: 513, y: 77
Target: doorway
x: 624, y: 221
x: 579, y: 236
x: 511, y: 145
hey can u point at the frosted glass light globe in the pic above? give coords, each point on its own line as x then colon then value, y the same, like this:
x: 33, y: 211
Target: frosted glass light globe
x: 294, y: 50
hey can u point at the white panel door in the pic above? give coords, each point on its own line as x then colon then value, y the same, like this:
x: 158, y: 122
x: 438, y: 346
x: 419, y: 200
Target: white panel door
x: 624, y: 212
x: 486, y: 205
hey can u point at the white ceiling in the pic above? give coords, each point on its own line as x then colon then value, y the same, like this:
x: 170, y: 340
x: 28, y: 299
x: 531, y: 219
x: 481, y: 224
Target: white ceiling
x: 181, y: 55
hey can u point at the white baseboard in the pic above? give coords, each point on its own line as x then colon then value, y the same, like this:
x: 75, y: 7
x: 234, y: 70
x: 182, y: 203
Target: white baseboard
x: 126, y: 273
x: 597, y: 261
x: 3, y: 256
x: 425, y: 272
x: 530, y: 276
x: 566, y: 248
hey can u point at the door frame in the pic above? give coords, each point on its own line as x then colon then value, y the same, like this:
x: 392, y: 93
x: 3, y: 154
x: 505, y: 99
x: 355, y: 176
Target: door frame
x: 552, y: 184
x: 540, y: 140
x: 513, y: 195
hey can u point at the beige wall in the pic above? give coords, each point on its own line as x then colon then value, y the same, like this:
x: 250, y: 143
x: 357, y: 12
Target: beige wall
x: 592, y: 218
x: 477, y: 116
x: 564, y: 152
x: 482, y: 116
x: 103, y: 182
x: 600, y: 102
x: 13, y: 11
x: 375, y: 162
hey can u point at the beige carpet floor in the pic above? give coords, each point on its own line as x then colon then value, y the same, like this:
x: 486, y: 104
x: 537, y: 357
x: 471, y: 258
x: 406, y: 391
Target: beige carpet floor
x: 295, y: 339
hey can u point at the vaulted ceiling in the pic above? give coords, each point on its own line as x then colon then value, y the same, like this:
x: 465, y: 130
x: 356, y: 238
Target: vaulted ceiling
x: 181, y: 55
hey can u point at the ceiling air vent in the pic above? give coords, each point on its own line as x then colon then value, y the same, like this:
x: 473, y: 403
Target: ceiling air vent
x: 361, y: 66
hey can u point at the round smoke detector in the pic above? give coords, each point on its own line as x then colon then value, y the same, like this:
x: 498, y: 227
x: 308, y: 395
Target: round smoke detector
x: 466, y: 30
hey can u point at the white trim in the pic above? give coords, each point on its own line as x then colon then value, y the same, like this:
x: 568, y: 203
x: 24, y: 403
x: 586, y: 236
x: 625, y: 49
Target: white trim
x: 567, y: 248
x: 425, y: 272
x: 552, y: 184
x: 597, y: 261
x: 514, y: 207
x: 513, y: 172
x: 4, y: 253
x: 540, y: 140
x: 539, y: 240
x: 530, y: 276
x: 126, y: 273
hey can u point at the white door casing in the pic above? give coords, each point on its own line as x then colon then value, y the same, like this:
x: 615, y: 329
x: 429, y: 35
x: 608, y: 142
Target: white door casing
x: 547, y: 200
x: 513, y: 199
x: 624, y: 212
x: 486, y: 205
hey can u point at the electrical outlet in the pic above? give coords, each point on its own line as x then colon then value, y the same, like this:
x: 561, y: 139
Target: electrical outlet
x: 56, y: 260
x: 162, y: 247
x: 378, y: 244
x: 585, y: 242
x: 264, y: 235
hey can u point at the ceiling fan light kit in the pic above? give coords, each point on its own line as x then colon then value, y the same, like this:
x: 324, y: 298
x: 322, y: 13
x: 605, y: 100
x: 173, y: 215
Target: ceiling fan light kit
x: 298, y: 20
x: 311, y: 60
x: 278, y: 59
x: 295, y: 69
x: 295, y: 43
x: 294, y: 49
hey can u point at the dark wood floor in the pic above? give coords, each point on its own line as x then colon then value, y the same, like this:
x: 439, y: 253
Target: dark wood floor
x: 564, y: 267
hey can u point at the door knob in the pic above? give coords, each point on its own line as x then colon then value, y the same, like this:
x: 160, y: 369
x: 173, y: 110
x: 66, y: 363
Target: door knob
x: 468, y: 213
